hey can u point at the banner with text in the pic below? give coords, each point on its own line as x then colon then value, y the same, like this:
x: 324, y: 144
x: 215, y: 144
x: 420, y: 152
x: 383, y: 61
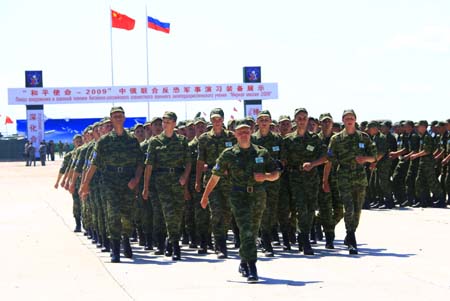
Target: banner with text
x: 35, y: 127
x: 167, y: 93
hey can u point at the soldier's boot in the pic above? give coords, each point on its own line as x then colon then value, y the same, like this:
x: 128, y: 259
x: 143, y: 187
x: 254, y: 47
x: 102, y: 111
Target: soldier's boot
x: 292, y: 235
x: 185, y: 238
x: 307, y: 250
x: 160, y: 245
x: 210, y: 242
x: 267, y: 245
x: 222, y: 251
x: 390, y: 202
x: 275, y: 236
x: 127, y: 252
x: 133, y: 237
x: 319, y: 233
x: 193, y: 240
x: 329, y: 240
x: 252, y: 272
x: 203, y: 246
x: 141, y: 236
x: 89, y: 233
x: 115, y: 255
x: 286, y: 242
x: 300, y: 243
x: 77, y: 225
x: 440, y: 203
x: 148, y: 242
x: 176, y: 251
x: 94, y: 236
x: 169, y: 249
x: 346, y: 241
x: 352, y: 246
x: 243, y: 269
x: 406, y: 203
x: 99, y: 241
x: 312, y: 236
x: 420, y: 203
x: 106, y: 244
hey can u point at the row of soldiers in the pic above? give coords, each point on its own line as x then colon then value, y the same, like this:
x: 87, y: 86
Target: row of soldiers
x: 322, y: 166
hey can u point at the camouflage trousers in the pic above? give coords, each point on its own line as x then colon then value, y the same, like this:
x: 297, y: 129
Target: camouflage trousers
x: 426, y: 180
x: 201, y: 216
x: 171, y: 196
x: 286, y: 206
x: 219, y: 205
x: 76, y: 207
x: 247, y: 210
x: 269, y: 218
x: 119, y: 206
x: 159, y: 223
x: 98, y: 208
x: 353, y: 197
x: 304, y: 189
x: 399, y: 181
x: 380, y: 182
x: 338, y: 205
x: 411, y: 177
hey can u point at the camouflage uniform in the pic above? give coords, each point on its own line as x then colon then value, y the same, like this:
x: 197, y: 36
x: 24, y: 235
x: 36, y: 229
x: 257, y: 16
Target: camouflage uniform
x: 352, y: 180
x: 304, y: 185
x: 168, y: 158
x: 400, y: 172
x: 210, y: 147
x: 65, y: 166
x: 117, y: 157
x: 273, y: 143
x: 248, y: 198
x: 414, y: 145
x: 146, y: 214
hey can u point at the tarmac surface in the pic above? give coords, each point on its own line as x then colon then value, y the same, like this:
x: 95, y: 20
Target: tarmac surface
x: 404, y: 255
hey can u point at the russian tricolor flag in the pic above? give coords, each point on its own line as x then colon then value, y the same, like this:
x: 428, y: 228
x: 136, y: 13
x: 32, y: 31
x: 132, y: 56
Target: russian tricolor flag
x: 158, y: 25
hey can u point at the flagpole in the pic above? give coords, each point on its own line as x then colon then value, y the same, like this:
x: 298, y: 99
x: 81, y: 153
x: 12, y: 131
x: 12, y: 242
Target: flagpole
x: 146, y: 54
x: 111, y: 46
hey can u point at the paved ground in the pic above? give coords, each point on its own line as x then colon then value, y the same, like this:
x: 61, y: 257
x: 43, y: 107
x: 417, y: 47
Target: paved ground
x: 404, y: 254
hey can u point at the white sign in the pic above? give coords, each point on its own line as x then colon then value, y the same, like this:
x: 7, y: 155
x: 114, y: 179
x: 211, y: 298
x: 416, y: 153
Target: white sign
x: 35, y: 128
x: 168, y: 93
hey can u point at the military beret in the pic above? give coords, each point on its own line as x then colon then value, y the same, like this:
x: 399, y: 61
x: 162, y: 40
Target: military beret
x: 300, y: 110
x: 325, y: 116
x: 116, y: 109
x: 241, y: 123
x: 217, y: 112
x: 170, y: 115
x: 264, y: 113
x: 283, y: 118
x: 348, y: 111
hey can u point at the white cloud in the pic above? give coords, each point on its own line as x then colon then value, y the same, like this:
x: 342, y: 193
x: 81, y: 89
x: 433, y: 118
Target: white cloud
x: 432, y: 38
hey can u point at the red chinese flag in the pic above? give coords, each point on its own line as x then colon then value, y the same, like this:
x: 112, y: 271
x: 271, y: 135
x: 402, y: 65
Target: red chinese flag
x: 8, y: 120
x: 121, y: 21
x: 234, y: 109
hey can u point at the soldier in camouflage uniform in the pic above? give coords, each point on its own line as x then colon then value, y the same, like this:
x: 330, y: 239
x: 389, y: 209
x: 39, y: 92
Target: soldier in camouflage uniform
x: 119, y: 157
x: 202, y: 223
x: 379, y: 183
x: 445, y: 163
x: 414, y: 146
x: 439, y: 154
x: 301, y: 153
x: 63, y: 173
x: 426, y: 175
x: 169, y: 162
x: 272, y: 142
x: 210, y: 146
x: 350, y: 149
x: 248, y: 167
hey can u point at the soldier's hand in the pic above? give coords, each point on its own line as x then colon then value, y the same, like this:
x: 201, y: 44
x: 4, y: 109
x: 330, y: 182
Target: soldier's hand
x: 187, y: 195
x: 62, y: 184
x: 326, y: 186
x: 84, y: 190
x: 72, y: 188
x: 182, y: 180
x: 204, y: 201
x: 56, y: 186
x: 412, y: 157
x: 360, y: 159
x: 307, y: 166
x: 259, y: 177
x: 198, y: 187
x: 133, y: 183
x: 66, y: 186
x: 205, y: 167
x: 445, y: 161
x: 145, y: 194
x: 373, y: 166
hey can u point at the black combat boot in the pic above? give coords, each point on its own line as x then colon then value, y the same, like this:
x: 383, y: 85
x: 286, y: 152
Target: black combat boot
x: 307, y: 250
x: 127, y: 252
x: 99, y: 240
x: 90, y: 235
x: 312, y: 236
x: 176, y: 251
x: 406, y: 203
x: 77, y: 225
x: 141, y: 236
x: 115, y: 255
x: 169, y: 250
x: 329, y: 240
x: 352, y: 246
x: 133, y: 237
x: 94, y: 237
x: 203, y: 246
x: 286, y: 242
x: 319, y: 233
x: 275, y: 236
x: 252, y: 272
x: 243, y: 269
x: 106, y: 244
x: 222, y: 251
x: 267, y: 245
x: 148, y: 242
x: 160, y: 245
x: 300, y: 243
x: 440, y: 203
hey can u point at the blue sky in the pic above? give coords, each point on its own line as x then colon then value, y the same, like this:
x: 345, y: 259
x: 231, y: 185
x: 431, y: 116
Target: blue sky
x: 385, y: 59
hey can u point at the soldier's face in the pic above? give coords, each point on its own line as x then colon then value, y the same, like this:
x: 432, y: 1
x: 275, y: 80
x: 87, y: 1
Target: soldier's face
x: 78, y: 142
x: 200, y: 128
x: 285, y: 127
x: 326, y: 124
x: 301, y: 120
x: 148, y: 131
x: 349, y: 120
x: 217, y: 122
x: 168, y: 124
x: 243, y: 134
x: 157, y: 127
x: 190, y: 132
x: 264, y: 122
x: 139, y: 133
x: 421, y: 129
x: 117, y: 119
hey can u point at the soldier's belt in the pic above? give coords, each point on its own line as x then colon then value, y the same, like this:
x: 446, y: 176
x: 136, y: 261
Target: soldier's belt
x: 120, y: 169
x: 248, y: 189
x: 296, y: 168
x: 169, y: 170
x: 350, y: 166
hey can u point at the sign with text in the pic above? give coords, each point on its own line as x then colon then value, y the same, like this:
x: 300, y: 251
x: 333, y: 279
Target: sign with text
x: 167, y: 93
x: 35, y: 127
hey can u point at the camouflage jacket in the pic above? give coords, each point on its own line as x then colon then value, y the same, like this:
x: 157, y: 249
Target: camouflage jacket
x: 272, y: 142
x: 164, y: 152
x: 66, y: 162
x: 211, y: 146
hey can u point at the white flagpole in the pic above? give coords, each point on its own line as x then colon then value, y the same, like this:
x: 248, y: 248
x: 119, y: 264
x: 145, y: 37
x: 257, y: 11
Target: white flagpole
x: 111, y: 46
x: 146, y: 53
